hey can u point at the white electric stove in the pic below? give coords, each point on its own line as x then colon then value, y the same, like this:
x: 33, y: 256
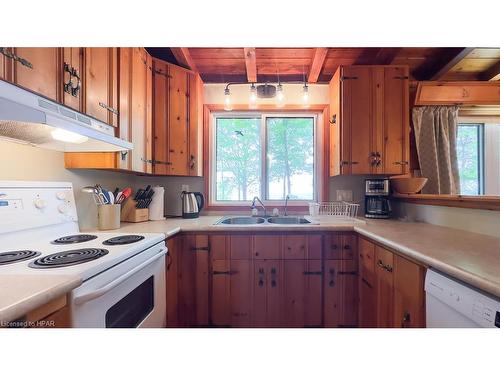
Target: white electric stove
x: 123, y: 274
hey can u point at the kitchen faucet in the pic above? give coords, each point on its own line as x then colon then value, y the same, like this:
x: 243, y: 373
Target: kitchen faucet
x: 286, y: 204
x: 262, y: 204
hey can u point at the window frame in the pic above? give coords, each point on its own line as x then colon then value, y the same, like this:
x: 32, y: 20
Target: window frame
x: 264, y: 114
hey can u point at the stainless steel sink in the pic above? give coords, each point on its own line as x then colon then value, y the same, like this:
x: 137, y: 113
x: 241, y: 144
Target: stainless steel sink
x: 288, y: 220
x: 243, y: 220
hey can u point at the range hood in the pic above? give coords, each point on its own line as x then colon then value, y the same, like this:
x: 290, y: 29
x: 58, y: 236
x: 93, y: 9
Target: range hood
x: 32, y: 119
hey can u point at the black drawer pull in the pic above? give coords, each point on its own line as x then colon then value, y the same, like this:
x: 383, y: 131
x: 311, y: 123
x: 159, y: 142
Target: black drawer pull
x: 347, y: 272
x: 224, y: 272
x: 203, y: 248
x: 313, y: 272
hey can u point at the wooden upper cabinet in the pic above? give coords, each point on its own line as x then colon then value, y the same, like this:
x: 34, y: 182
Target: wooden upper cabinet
x: 38, y: 70
x: 369, y: 122
x: 452, y: 93
x: 3, y: 63
x: 72, y: 87
x: 101, y: 88
x: 178, y: 120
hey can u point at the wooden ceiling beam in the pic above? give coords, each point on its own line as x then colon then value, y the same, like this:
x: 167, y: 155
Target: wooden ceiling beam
x: 439, y: 66
x: 491, y: 74
x: 184, y: 58
x: 317, y: 64
x: 251, y: 64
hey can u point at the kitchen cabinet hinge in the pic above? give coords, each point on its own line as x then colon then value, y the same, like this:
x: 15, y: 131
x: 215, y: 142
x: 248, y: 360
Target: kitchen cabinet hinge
x: 401, y: 77
x: 343, y: 78
x: 229, y: 273
x: 313, y: 273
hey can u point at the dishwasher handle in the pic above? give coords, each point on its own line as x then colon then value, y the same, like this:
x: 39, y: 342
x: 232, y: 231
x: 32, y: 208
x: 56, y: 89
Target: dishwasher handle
x: 101, y: 291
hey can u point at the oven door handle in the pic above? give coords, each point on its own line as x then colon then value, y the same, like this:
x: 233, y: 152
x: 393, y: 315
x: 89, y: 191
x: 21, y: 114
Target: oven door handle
x: 99, y: 292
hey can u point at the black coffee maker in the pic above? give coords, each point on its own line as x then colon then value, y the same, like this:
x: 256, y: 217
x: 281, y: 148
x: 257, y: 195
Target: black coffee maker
x: 377, y: 205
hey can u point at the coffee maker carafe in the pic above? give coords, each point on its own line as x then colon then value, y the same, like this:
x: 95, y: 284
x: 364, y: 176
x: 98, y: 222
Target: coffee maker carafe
x: 377, y: 205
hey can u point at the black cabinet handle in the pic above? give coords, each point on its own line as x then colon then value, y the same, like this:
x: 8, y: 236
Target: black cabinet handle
x: 308, y: 273
x: 229, y: 273
x: 202, y: 248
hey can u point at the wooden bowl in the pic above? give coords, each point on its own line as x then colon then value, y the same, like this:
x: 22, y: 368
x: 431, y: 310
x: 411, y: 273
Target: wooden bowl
x: 407, y: 185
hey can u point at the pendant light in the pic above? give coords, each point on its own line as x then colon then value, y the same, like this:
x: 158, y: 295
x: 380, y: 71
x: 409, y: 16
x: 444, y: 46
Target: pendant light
x: 280, y: 95
x: 305, y: 95
x: 253, y: 93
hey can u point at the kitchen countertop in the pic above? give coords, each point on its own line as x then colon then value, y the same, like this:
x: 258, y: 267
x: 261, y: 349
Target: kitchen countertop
x: 467, y: 256
x: 20, y: 294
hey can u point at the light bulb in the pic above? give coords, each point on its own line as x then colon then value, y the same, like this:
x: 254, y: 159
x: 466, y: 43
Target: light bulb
x: 68, y: 136
x: 227, y: 100
x: 253, y: 93
x: 280, y: 96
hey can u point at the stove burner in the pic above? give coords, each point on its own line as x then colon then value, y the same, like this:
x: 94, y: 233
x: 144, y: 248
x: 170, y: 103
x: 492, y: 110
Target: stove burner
x: 123, y: 240
x: 17, y: 256
x: 68, y: 258
x: 76, y: 238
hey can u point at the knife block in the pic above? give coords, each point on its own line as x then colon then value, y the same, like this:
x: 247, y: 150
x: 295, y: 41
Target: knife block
x: 131, y: 214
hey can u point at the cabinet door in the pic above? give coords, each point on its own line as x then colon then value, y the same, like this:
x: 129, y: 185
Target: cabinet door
x: 357, y: 119
x: 295, y: 247
x: 160, y: 118
x: 409, y: 295
x: 178, y: 121
x: 367, y: 301
x: 72, y: 74
x: 124, y: 103
x: 3, y: 64
x: 221, y: 293
x: 267, y: 247
x: 396, y: 129
x: 384, y: 266
x: 100, y: 79
x: 241, y: 273
x: 195, y: 125
x: 141, y: 121
x: 174, y: 245
x: 39, y: 70
x: 302, y: 287
x: 339, y: 246
x: 334, y: 125
x: 267, y: 293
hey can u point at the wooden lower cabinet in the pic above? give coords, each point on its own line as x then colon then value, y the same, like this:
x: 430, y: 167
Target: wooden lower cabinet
x: 290, y: 280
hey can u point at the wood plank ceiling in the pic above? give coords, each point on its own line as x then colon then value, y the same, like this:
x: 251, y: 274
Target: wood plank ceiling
x: 319, y: 64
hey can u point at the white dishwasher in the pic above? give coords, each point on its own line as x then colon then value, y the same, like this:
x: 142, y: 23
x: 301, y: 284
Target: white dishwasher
x: 452, y: 304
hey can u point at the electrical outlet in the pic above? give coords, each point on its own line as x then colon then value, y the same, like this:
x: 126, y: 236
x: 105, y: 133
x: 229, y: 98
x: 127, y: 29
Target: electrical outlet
x: 344, y: 195
x: 184, y: 187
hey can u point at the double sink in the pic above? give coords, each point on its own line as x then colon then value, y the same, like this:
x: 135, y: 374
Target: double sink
x: 258, y: 220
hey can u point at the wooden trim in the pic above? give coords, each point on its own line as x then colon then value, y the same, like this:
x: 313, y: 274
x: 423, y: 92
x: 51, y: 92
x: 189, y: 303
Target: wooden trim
x: 251, y: 64
x: 458, y: 93
x: 321, y: 109
x: 491, y: 203
x: 317, y: 64
x: 183, y: 57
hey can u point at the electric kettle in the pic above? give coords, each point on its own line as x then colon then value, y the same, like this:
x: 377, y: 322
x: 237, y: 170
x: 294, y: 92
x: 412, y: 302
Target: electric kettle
x: 192, y: 203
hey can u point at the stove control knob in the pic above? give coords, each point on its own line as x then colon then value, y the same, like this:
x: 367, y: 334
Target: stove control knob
x: 61, y: 195
x: 39, y: 203
x: 62, y: 208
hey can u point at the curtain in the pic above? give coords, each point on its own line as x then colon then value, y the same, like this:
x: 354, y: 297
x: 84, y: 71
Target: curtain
x: 436, y: 140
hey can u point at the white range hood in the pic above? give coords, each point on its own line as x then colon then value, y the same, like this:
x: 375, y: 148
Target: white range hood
x: 32, y: 119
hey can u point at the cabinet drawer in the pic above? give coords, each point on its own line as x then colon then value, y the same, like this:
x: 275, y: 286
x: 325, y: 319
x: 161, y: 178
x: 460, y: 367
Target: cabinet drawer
x: 240, y: 247
x: 295, y: 247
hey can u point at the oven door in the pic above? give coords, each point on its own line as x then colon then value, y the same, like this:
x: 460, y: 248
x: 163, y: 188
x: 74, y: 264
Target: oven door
x: 131, y: 294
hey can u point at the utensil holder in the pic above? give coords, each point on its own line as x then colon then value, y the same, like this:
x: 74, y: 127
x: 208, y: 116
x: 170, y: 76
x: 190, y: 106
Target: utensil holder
x: 131, y: 214
x: 108, y: 216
